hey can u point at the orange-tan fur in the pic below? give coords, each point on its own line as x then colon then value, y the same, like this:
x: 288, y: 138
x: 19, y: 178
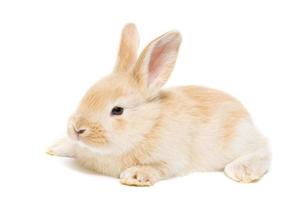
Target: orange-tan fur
x: 162, y: 133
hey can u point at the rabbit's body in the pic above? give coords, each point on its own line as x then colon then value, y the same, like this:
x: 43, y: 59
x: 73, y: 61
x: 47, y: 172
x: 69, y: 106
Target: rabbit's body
x: 164, y: 133
x: 207, y: 139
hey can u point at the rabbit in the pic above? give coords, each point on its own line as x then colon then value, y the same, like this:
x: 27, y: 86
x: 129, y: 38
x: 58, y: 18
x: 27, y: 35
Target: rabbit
x: 127, y: 127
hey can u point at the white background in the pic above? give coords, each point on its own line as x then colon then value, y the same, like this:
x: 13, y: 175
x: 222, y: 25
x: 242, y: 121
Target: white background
x: 52, y: 51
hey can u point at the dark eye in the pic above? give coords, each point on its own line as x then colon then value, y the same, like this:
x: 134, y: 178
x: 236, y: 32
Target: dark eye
x: 117, y: 110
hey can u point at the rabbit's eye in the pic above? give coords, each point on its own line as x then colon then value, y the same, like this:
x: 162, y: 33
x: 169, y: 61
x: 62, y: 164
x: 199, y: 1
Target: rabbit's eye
x: 117, y: 110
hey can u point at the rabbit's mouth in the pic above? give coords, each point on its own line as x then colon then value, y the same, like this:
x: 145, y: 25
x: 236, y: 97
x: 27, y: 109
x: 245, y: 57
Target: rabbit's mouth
x: 90, y: 137
x: 91, y: 134
x: 104, y: 149
x: 93, y: 139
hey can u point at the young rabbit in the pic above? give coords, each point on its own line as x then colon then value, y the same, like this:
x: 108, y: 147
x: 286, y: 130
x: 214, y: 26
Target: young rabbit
x: 126, y: 127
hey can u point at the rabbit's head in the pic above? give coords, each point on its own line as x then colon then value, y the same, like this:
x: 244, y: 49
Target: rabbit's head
x: 117, y: 112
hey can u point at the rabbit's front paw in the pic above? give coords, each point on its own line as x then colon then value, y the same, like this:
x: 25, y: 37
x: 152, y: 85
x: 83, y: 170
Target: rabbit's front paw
x: 139, y: 176
x: 62, y: 147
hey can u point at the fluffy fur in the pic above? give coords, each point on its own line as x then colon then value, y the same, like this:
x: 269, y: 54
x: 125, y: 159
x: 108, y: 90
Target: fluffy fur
x: 162, y: 133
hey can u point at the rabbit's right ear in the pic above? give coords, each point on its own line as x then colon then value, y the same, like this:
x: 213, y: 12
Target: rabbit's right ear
x: 128, y: 48
x: 156, y: 62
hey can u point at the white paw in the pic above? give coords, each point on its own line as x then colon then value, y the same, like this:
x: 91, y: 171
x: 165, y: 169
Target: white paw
x: 242, y: 172
x: 62, y: 147
x: 138, y: 176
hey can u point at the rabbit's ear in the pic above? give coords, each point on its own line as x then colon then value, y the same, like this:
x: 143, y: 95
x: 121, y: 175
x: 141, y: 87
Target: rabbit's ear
x: 157, y: 61
x: 128, y: 48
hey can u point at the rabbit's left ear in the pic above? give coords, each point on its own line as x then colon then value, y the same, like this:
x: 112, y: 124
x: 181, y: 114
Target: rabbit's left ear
x: 128, y: 48
x: 156, y: 62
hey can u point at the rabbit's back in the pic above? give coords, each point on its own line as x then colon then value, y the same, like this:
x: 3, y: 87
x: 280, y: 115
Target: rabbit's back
x: 205, y: 122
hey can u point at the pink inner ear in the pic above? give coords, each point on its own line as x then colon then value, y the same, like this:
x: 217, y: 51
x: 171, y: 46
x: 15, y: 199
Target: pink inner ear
x: 157, y: 61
